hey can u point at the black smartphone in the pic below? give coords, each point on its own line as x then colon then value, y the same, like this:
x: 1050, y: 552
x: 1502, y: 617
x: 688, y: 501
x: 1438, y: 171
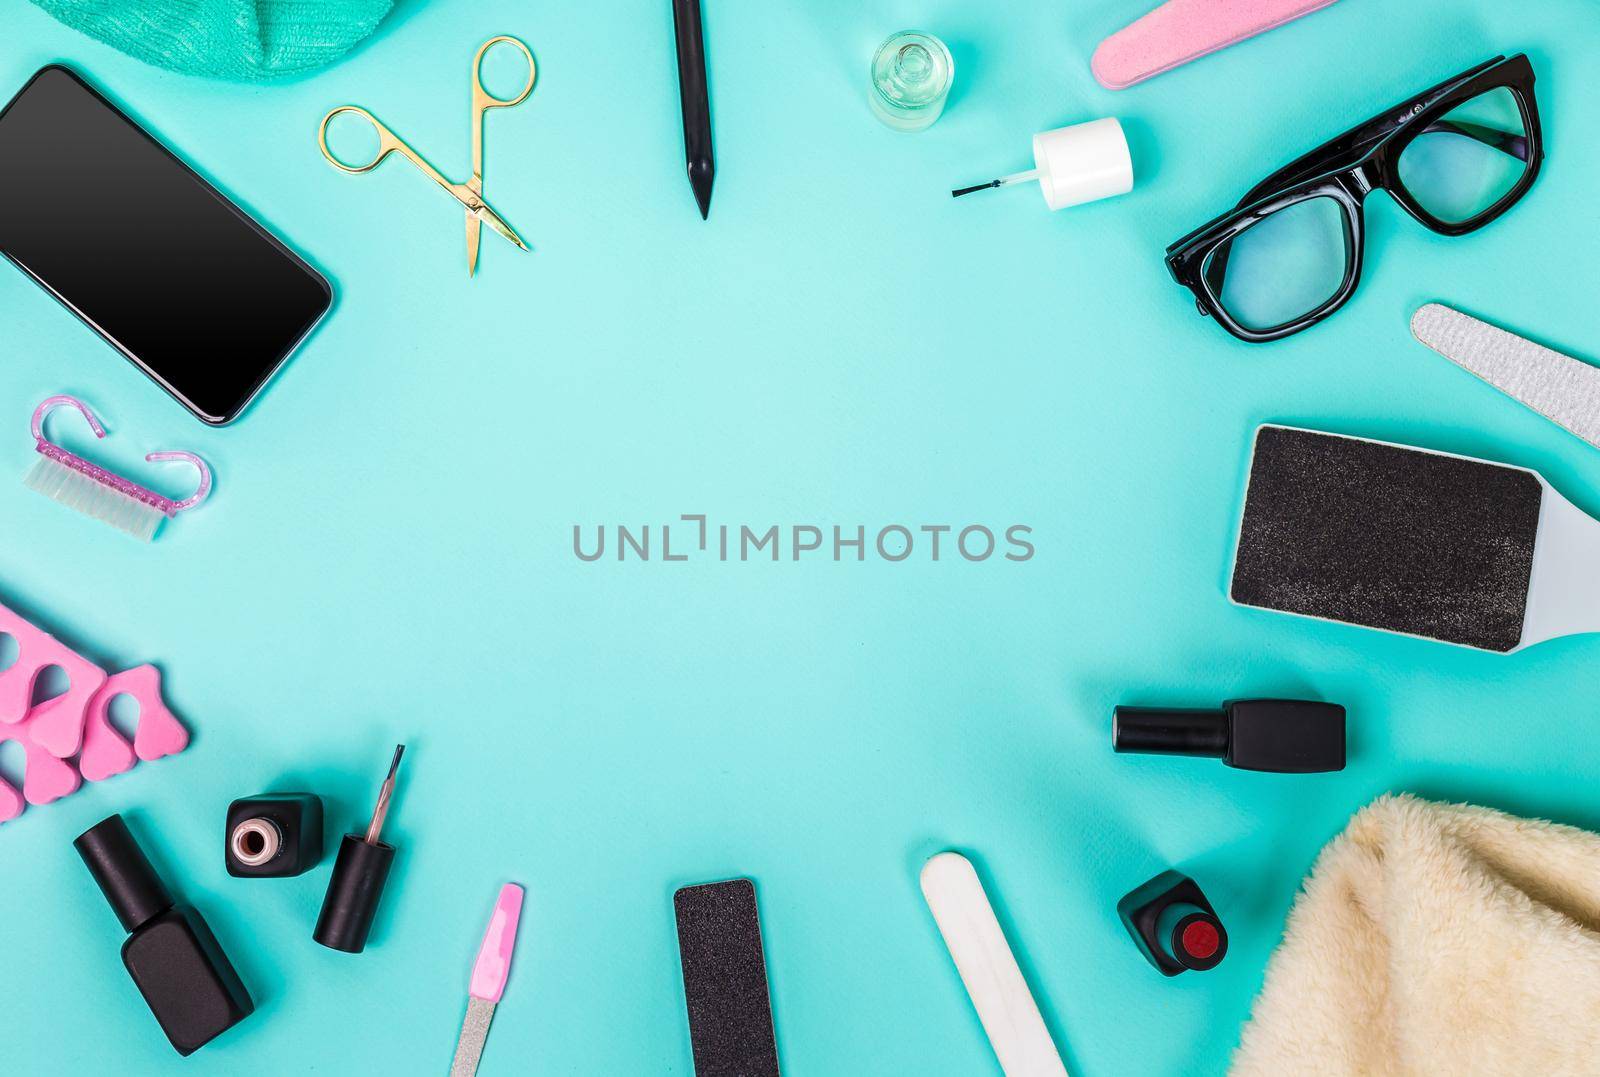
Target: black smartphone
x: 183, y: 282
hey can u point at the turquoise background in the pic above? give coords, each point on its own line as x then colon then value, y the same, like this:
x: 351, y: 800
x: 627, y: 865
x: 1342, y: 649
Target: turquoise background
x: 388, y: 553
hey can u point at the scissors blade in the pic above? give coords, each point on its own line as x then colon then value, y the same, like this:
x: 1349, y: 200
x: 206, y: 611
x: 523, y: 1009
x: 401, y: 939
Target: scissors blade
x: 474, y: 230
x: 493, y: 220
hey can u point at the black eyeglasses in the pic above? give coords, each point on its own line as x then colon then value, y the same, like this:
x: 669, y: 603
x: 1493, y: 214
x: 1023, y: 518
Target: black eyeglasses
x: 1289, y: 254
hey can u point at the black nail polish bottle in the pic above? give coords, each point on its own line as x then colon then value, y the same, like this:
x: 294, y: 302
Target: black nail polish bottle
x: 274, y: 835
x: 1289, y: 736
x: 174, y: 959
x: 1174, y: 925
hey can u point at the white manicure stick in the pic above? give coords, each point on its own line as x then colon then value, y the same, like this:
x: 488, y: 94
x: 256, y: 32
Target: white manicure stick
x: 1009, y: 1015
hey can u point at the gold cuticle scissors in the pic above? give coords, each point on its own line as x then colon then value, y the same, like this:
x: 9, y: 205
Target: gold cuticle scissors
x: 470, y: 193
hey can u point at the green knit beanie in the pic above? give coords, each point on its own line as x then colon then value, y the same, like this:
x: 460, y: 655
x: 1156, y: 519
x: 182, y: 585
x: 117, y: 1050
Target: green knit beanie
x: 238, y: 40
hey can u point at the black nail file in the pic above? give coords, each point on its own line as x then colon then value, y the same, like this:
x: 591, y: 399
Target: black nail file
x: 1414, y: 541
x: 725, y: 980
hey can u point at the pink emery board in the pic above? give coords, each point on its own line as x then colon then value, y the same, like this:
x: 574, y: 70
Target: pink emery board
x: 61, y: 730
x: 1183, y: 30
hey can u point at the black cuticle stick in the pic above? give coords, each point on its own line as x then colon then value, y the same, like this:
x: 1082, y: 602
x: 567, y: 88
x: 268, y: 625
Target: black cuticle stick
x: 696, y: 100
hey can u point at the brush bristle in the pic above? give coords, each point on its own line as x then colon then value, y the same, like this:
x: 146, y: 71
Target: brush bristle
x: 77, y: 491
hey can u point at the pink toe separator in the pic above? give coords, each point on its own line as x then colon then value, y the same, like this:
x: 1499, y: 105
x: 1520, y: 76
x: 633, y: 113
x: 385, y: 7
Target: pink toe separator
x: 44, y: 777
x: 159, y: 732
x: 11, y: 802
x: 60, y: 730
x: 107, y: 752
x: 76, y: 722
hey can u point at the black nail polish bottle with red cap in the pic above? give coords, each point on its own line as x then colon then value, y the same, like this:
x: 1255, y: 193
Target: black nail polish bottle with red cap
x: 1174, y: 925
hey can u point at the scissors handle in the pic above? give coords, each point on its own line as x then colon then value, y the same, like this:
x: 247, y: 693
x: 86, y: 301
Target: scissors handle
x: 481, y: 97
x: 483, y: 100
x: 388, y: 142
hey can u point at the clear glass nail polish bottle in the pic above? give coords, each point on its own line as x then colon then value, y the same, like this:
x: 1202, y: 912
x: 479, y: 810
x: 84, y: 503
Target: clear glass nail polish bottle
x: 911, y: 77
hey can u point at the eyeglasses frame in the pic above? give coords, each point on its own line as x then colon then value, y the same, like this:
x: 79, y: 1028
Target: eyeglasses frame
x: 1348, y: 169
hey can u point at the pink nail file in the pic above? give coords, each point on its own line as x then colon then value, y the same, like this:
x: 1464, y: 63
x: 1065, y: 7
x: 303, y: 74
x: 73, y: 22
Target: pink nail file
x: 488, y: 980
x: 1183, y: 30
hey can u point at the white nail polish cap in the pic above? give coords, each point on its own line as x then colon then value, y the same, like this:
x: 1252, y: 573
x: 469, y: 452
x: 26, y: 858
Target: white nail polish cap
x: 1083, y: 163
x: 1073, y: 165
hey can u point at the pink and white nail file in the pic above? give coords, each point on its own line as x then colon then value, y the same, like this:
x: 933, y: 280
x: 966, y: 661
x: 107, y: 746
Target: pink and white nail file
x: 1182, y: 30
x: 75, y: 723
x: 488, y: 982
x: 1010, y: 1017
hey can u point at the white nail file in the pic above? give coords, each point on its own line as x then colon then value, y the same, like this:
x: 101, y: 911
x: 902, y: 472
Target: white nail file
x: 1009, y: 1015
x: 1559, y: 387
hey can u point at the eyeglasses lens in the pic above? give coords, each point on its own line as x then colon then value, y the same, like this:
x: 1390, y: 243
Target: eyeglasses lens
x: 1467, y: 161
x: 1283, y: 267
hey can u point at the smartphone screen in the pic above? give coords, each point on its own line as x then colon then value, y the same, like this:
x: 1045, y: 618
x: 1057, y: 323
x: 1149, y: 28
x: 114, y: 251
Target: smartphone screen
x: 148, y: 254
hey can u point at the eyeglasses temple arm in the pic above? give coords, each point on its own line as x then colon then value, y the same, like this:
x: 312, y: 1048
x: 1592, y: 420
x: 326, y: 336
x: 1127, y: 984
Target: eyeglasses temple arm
x: 1333, y: 154
x: 1506, y: 142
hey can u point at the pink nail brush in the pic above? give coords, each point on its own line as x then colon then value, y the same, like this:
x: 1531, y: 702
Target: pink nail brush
x: 1183, y: 30
x: 77, y: 483
x: 488, y: 980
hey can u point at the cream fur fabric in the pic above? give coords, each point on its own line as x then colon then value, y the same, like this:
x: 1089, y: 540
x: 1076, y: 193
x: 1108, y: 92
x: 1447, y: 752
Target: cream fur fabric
x: 1437, y: 939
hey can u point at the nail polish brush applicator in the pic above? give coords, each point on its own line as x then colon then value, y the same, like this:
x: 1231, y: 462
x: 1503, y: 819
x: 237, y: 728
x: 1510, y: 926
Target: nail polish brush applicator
x: 359, y: 873
x: 1081, y: 163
